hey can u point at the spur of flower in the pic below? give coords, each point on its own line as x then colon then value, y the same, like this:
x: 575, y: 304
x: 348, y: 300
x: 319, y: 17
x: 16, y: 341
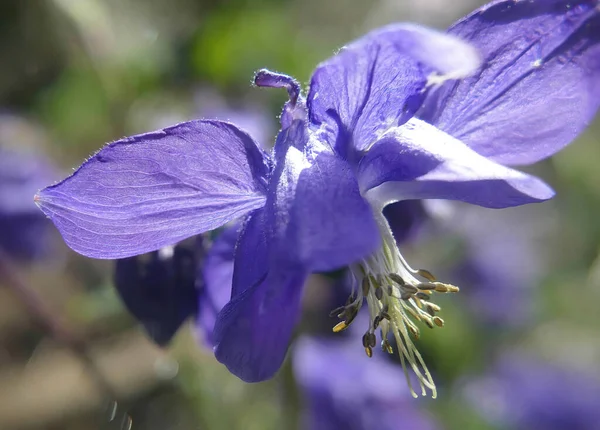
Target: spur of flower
x: 402, y: 113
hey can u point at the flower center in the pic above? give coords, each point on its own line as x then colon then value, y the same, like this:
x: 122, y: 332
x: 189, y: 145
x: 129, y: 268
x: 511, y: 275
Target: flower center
x: 396, y: 299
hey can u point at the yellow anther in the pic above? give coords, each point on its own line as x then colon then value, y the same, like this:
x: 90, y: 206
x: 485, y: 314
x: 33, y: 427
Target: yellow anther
x: 369, y: 351
x: 414, y: 331
x: 433, y: 307
x: 418, y: 302
x: 446, y: 288
x: 341, y: 326
x: 438, y: 321
x: 385, y: 345
x: 426, y: 274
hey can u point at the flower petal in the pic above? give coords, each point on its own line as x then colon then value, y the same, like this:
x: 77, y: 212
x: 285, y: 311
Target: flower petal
x: 539, y: 86
x: 418, y: 161
x: 377, y: 82
x: 253, y: 330
x: 154, y: 189
x: 159, y: 289
x: 217, y: 273
x: 318, y: 215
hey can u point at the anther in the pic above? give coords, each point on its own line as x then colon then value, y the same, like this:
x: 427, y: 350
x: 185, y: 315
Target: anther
x: 430, y: 310
x: 340, y: 327
x: 438, y: 321
x: 426, y: 274
x: 379, y: 293
x: 397, y: 279
x: 414, y: 331
x: 369, y: 351
x: 365, y: 340
x: 411, y: 288
x: 434, y: 307
x: 385, y: 345
x: 446, y: 288
x: 423, y: 296
x: 427, y: 286
x: 406, y: 295
x: 372, y: 339
x: 390, y: 290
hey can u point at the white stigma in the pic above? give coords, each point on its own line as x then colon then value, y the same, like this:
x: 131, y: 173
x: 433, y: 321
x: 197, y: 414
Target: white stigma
x: 396, y: 299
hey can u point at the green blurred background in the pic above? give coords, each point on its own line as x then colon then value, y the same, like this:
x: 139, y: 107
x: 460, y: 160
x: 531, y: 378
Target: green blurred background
x: 78, y: 73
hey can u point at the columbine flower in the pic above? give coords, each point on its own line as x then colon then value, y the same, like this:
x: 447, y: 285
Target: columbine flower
x: 351, y: 148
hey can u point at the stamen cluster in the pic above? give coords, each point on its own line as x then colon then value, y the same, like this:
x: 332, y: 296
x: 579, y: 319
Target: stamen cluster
x: 396, y: 298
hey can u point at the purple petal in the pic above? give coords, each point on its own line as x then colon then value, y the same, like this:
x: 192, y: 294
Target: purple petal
x: 377, y: 81
x: 154, y: 189
x: 217, y: 273
x: 318, y: 215
x: 539, y: 86
x: 253, y: 330
x: 159, y: 289
x: 418, y: 161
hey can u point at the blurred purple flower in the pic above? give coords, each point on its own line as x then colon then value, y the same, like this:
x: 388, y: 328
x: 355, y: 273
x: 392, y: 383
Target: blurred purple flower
x: 351, y: 148
x: 24, y: 232
x: 342, y: 390
x: 523, y: 393
x: 500, y: 266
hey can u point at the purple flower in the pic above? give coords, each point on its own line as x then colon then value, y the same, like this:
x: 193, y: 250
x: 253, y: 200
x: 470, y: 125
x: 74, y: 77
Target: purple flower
x: 341, y: 389
x: 500, y: 267
x: 160, y: 289
x: 523, y: 393
x: 24, y: 232
x: 351, y: 148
